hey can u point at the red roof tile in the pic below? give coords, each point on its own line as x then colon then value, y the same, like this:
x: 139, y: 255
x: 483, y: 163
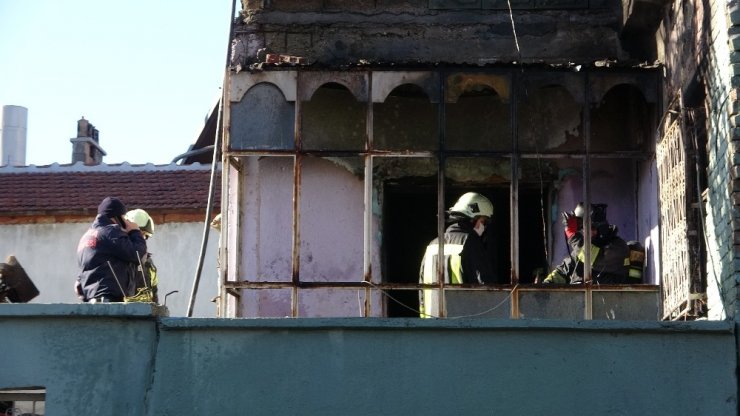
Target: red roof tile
x: 81, y: 191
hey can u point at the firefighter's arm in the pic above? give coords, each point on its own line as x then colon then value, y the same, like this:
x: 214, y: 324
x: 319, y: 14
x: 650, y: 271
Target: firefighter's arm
x: 555, y: 277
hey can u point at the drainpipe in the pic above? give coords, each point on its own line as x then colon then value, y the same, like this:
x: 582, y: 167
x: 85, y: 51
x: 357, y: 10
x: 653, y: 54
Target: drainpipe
x: 216, y: 145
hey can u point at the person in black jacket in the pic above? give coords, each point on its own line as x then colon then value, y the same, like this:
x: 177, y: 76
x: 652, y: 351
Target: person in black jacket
x: 609, y: 252
x: 108, y: 253
x: 465, y: 258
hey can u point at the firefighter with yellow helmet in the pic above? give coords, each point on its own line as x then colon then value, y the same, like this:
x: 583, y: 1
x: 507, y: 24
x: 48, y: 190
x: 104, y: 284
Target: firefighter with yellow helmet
x: 465, y: 256
x: 146, y: 273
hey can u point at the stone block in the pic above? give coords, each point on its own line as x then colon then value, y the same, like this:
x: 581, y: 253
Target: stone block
x: 253, y: 4
x: 735, y: 120
x: 735, y: 70
x: 349, y: 6
x: 504, y: 5
x: 733, y: 13
x: 735, y: 42
x: 407, y: 6
x: 735, y: 82
x: 275, y: 41
x: 454, y: 4
x: 296, y: 6
x: 297, y: 43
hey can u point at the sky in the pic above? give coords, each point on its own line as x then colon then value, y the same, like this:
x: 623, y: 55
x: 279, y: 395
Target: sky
x: 145, y: 73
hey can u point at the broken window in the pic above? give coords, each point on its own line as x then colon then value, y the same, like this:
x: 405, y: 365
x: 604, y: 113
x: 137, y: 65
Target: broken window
x: 23, y: 401
x: 337, y: 181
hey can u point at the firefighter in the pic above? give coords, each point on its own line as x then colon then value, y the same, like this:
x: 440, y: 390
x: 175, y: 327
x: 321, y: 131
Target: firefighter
x: 107, y: 254
x: 465, y: 256
x: 146, y: 272
x: 609, y: 252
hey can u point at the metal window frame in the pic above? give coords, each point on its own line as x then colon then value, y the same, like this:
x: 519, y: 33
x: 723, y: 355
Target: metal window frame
x: 230, y: 290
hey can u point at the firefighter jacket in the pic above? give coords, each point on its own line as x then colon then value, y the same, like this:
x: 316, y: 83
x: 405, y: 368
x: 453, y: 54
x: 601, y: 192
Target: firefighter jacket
x: 107, y: 256
x: 465, y: 259
x: 609, y: 259
x: 145, y: 280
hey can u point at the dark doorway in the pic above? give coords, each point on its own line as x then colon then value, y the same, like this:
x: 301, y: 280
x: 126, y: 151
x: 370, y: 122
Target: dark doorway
x: 410, y: 223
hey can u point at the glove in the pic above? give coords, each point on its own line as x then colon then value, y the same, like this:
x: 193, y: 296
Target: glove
x: 570, y: 223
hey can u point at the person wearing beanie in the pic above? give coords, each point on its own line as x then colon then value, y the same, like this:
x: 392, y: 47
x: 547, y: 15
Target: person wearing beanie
x: 108, y: 254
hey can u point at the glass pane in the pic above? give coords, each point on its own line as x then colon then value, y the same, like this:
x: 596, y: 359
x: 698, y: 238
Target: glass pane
x: 552, y: 304
x: 331, y: 219
x: 627, y: 305
x: 549, y: 120
x: 613, y: 182
x: 266, y: 223
x: 406, y: 121
x: 463, y: 303
x: 405, y: 206
x: 262, y: 120
x: 566, y: 191
x: 333, y: 120
x: 337, y: 303
x: 266, y: 303
x: 622, y: 120
x: 491, y: 178
x: 480, y: 120
x: 536, y: 181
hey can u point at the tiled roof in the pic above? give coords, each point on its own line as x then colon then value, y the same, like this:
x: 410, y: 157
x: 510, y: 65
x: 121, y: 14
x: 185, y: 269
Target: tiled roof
x: 79, y: 191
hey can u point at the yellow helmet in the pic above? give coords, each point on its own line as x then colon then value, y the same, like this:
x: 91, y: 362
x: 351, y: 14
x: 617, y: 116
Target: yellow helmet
x: 143, y: 220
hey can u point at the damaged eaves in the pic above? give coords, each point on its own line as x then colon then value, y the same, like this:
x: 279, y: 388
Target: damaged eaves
x: 289, y: 62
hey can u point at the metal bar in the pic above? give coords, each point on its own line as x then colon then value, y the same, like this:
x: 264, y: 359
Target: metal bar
x: 441, y: 266
x: 588, y: 311
x: 450, y: 153
x: 368, y: 199
x: 412, y: 286
x: 296, y: 256
x: 296, y: 235
x: 514, y: 186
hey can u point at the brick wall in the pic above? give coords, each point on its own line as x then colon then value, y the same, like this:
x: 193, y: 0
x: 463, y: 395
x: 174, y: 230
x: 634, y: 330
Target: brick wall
x: 731, y: 19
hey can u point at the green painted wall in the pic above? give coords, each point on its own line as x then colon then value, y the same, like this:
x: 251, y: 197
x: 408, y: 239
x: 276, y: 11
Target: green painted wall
x: 124, y: 359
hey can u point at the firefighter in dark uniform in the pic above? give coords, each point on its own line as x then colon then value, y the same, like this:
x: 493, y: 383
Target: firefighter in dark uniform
x: 107, y: 255
x: 610, y: 254
x: 465, y: 256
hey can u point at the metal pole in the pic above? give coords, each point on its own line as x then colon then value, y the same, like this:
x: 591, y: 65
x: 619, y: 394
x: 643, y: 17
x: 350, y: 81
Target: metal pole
x: 214, y: 163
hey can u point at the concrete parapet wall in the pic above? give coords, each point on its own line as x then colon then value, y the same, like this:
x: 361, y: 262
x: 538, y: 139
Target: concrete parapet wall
x: 128, y: 359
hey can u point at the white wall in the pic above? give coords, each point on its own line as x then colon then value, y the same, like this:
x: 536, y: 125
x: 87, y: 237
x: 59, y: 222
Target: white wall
x: 48, y: 254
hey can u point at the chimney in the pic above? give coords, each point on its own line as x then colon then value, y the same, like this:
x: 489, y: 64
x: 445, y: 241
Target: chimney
x: 13, y: 131
x: 86, y: 146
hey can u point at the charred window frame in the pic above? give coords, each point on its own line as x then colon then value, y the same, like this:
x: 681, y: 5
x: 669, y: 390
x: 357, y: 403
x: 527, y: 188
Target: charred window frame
x: 286, y: 145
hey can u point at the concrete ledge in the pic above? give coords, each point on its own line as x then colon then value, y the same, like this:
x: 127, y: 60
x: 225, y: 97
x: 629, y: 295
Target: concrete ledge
x: 708, y: 327
x: 137, y: 310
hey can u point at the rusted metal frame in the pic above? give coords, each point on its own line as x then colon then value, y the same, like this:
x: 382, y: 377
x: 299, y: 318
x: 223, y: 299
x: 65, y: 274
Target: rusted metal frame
x: 296, y: 237
x: 368, y: 200
x: 686, y: 149
x: 514, y: 194
x: 441, y: 266
x: 450, y: 153
x: 603, y: 155
x: 241, y: 184
x: 587, y: 280
x: 333, y: 153
x: 418, y: 286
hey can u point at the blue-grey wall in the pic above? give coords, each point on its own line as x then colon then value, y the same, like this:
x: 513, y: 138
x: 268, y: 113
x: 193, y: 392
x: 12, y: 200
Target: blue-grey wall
x: 124, y: 359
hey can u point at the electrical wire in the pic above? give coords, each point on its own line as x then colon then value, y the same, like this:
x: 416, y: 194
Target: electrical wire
x: 418, y: 312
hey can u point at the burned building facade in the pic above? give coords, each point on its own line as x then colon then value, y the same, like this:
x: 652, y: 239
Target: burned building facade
x: 349, y: 128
